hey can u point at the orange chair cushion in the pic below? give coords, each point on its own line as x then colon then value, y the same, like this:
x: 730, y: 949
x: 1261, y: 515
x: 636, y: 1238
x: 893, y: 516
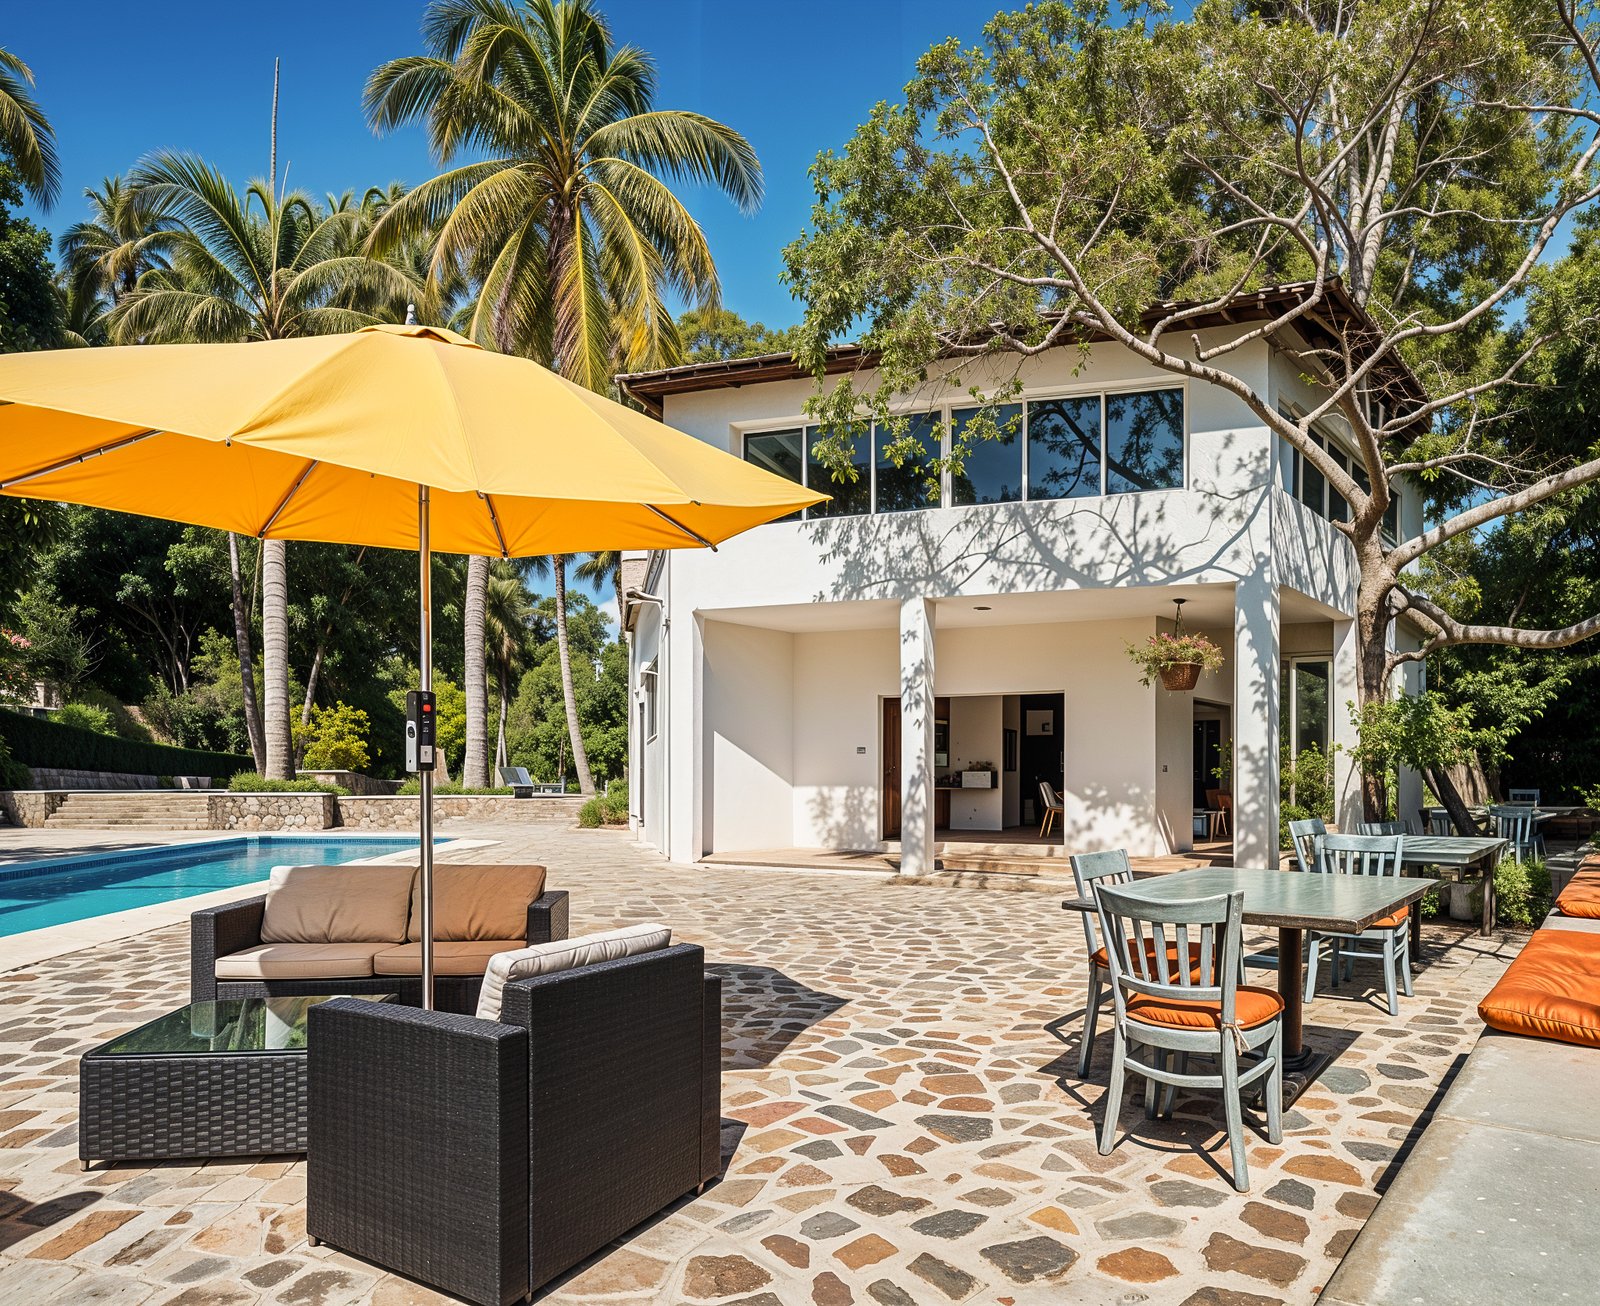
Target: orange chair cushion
x: 1101, y: 960
x: 1252, y: 1007
x: 1551, y: 990
x: 1581, y: 897
x: 1392, y: 920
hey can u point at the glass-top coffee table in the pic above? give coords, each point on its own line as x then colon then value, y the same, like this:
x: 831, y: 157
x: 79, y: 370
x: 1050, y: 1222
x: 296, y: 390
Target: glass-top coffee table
x: 210, y: 1079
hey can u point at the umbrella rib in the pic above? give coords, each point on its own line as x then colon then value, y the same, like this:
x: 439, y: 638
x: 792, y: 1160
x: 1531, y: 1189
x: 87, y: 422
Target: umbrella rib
x: 284, y: 503
x: 494, y: 518
x: 693, y: 535
x: 124, y: 443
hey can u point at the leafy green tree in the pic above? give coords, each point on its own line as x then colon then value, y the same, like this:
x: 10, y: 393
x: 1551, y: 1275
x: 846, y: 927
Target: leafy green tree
x: 256, y: 266
x: 713, y: 333
x: 1075, y: 178
x: 26, y: 136
x: 334, y: 739
x: 30, y: 308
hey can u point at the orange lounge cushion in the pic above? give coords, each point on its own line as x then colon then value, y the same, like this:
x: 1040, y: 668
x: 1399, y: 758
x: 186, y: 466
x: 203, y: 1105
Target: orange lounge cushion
x: 1252, y: 1007
x: 1101, y: 960
x: 1551, y: 990
x: 1581, y: 897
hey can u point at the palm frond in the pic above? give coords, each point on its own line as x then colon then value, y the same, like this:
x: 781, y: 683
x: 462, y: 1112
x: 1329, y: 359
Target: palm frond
x: 25, y: 132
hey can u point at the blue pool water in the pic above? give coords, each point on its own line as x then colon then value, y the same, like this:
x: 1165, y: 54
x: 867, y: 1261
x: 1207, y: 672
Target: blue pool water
x: 36, y: 894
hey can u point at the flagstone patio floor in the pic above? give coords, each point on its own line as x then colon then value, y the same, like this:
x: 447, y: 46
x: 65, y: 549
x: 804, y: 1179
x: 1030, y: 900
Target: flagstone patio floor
x: 903, y: 1122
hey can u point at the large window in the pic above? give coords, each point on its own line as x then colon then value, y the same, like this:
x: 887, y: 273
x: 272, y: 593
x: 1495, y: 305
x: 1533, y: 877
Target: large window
x: 1071, y: 447
x: 1300, y: 479
x: 1144, y: 441
x: 1064, y: 440
x: 904, y: 489
x: 991, y: 470
x: 1306, y: 720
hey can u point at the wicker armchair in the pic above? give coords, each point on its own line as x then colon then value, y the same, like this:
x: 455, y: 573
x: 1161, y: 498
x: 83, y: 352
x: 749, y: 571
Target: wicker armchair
x: 217, y: 931
x: 485, y: 1158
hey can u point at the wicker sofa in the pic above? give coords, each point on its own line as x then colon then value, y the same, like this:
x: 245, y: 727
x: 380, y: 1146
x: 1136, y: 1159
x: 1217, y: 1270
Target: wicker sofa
x: 486, y: 1157
x: 355, y: 929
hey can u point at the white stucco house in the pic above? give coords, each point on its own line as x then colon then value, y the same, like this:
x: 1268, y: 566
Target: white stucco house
x: 831, y: 682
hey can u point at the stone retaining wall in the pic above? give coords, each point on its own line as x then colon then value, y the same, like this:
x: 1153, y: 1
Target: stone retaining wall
x: 401, y: 813
x: 48, y: 777
x: 229, y: 811
x: 28, y: 807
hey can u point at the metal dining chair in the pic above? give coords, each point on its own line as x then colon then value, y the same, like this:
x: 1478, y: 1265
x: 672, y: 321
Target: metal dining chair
x: 1165, y: 1013
x: 1381, y: 827
x: 1360, y: 854
x: 1528, y: 796
x: 1302, y: 837
x: 1089, y: 869
x: 1436, y: 821
x: 1517, y: 826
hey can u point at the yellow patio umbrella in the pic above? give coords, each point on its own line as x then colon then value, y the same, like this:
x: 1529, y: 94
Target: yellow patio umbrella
x: 393, y: 436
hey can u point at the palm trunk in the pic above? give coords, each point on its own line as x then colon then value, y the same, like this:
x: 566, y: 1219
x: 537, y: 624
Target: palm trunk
x: 275, y: 658
x: 475, y: 767
x: 500, y: 739
x: 312, y: 677
x: 580, y: 758
x: 247, y: 673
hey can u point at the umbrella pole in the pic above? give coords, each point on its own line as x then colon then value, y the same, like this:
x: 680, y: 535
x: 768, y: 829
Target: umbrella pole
x: 425, y: 774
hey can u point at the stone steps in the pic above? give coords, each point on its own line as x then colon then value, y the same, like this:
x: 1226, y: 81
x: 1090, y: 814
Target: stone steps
x: 135, y: 809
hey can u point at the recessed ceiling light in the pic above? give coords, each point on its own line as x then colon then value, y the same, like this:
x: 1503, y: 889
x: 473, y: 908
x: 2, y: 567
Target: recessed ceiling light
x: 981, y: 607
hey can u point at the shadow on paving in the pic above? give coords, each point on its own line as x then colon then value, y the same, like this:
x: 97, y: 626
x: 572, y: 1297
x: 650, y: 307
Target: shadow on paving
x: 764, y: 1011
x: 20, y: 1219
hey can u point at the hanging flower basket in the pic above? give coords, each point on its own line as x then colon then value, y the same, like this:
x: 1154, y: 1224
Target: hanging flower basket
x: 1180, y: 676
x: 1175, y: 660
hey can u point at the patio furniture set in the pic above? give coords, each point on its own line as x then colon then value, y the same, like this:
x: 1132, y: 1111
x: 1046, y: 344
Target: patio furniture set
x: 570, y: 1092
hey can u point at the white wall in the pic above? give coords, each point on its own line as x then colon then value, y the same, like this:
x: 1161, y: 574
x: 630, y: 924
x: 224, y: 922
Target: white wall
x: 840, y: 682
x: 749, y: 689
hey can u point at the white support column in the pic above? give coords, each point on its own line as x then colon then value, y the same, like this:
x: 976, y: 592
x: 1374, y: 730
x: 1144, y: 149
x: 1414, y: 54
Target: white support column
x: 685, y: 769
x: 1342, y: 692
x: 1255, y: 720
x: 916, y: 737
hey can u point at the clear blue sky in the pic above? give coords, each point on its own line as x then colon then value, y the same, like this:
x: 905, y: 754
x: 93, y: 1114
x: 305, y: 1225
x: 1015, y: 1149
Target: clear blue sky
x: 195, y: 76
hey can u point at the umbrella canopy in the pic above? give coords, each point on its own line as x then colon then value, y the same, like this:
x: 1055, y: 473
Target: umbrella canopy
x: 328, y: 437
x: 393, y: 436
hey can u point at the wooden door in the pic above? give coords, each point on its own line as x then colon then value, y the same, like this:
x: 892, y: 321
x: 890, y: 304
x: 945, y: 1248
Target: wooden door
x: 891, y: 768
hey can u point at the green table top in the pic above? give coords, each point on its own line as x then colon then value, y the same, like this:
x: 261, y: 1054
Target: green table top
x: 1449, y: 850
x: 1303, y: 900
x: 239, y: 1026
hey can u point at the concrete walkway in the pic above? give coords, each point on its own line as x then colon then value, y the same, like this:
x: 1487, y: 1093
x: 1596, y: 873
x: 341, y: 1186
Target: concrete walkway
x: 902, y: 1119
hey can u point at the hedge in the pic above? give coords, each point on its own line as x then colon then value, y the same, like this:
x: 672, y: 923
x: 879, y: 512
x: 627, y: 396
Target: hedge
x: 35, y: 741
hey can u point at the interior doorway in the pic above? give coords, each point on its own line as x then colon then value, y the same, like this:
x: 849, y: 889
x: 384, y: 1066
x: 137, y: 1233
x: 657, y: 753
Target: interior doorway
x: 1212, y: 737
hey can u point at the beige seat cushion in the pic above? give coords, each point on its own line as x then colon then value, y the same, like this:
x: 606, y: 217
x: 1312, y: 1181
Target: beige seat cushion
x: 271, y: 961
x: 565, y: 954
x: 450, y: 957
x: 480, y: 902
x: 337, y: 904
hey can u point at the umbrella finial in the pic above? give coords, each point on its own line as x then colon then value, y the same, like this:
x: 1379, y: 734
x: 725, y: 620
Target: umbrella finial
x: 411, y: 315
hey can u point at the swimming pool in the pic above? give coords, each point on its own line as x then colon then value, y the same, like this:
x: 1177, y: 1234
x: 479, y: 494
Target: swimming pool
x: 62, y: 889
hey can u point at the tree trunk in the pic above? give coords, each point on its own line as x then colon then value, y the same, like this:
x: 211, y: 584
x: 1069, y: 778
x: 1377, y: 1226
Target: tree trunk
x: 275, y: 658
x: 475, y: 767
x: 312, y: 677
x: 500, y: 758
x: 580, y: 758
x: 247, y: 673
x: 1372, y: 685
x: 1445, y: 790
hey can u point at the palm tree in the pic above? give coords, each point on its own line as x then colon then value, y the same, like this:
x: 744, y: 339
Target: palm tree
x: 117, y: 244
x: 602, y: 569
x: 257, y: 266
x: 573, y: 239
x: 507, y: 613
x: 25, y: 133
x: 475, y: 766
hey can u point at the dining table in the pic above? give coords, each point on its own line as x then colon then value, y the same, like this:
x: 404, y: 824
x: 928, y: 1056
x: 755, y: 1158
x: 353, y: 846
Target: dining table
x: 1457, y: 852
x: 1290, y: 902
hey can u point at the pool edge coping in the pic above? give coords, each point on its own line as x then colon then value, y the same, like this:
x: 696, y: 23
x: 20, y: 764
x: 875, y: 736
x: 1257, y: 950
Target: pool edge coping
x: 31, y: 947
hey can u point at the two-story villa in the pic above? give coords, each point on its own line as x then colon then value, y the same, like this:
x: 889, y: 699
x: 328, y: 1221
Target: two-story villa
x: 845, y: 681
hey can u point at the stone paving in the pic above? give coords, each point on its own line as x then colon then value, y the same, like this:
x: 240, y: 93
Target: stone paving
x: 902, y: 1120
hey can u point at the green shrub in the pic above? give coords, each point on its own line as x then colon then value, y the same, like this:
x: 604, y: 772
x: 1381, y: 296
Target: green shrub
x: 253, y: 782
x: 592, y: 815
x: 13, y: 775
x: 609, y: 808
x: 335, y: 739
x: 413, y: 786
x: 39, y: 743
x: 86, y: 716
x: 1522, y: 893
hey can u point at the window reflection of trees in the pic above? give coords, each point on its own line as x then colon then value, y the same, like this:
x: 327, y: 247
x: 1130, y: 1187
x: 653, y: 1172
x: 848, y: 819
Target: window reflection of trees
x: 1144, y: 439
x: 1064, y: 448
x: 907, y: 488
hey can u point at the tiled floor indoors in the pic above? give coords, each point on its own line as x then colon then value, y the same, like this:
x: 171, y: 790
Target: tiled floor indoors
x: 900, y: 1105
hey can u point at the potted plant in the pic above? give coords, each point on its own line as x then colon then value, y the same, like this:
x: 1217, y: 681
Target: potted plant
x: 1176, y: 660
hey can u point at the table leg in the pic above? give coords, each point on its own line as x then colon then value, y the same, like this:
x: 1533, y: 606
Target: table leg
x: 1415, y: 932
x: 1487, y: 927
x: 1291, y: 988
